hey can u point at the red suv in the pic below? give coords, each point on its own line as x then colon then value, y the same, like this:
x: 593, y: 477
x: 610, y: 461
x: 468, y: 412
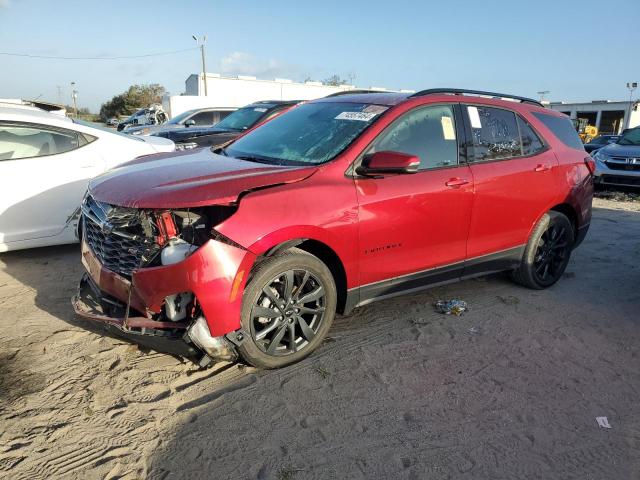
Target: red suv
x: 251, y: 249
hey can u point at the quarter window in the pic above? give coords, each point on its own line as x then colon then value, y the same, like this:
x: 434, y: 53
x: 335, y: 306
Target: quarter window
x: 531, y: 143
x: 22, y: 141
x: 494, y: 133
x: 562, y: 128
x: 427, y: 132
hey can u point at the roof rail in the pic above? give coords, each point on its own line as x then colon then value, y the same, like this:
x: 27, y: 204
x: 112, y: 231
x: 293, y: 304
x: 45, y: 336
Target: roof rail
x: 462, y: 91
x: 355, y: 91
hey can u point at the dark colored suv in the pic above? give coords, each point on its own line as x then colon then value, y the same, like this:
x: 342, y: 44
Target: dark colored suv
x: 251, y: 249
x: 227, y: 129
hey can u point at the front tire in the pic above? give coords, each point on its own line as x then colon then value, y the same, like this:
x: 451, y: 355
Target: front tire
x: 287, y: 309
x: 547, y: 253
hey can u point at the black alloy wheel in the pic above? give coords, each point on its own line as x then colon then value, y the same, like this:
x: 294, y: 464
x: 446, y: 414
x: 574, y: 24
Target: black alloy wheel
x: 288, y: 314
x: 287, y: 309
x: 547, y: 253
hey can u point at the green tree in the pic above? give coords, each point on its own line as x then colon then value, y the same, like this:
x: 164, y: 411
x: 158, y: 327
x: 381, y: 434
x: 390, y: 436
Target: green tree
x: 126, y: 103
x: 334, y: 80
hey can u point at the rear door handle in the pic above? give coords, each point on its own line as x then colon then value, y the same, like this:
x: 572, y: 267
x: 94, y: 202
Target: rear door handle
x: 541, y: 168
x: 456, y: 182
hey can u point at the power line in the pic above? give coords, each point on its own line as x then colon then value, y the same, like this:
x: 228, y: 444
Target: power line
x: 124, y: 57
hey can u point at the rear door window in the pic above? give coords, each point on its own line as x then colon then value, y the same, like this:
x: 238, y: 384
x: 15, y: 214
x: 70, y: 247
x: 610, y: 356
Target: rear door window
x: 28, y: 141
x: 494, y: 132
x: 562, y: 128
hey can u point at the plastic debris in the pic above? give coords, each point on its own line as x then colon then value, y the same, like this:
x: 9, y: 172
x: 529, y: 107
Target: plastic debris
x: 451, y: 307
x: 603, y: 422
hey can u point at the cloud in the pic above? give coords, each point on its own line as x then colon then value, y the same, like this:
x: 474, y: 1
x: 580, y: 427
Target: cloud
x: 241, y: 63
x: 5, y: 3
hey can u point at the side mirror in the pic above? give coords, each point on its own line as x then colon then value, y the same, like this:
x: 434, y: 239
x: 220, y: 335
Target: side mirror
x: 190, y: 123
x: 388, y: 162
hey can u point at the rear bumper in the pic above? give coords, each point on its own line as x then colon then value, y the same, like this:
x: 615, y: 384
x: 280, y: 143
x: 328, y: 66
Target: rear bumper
x: 580, y: 235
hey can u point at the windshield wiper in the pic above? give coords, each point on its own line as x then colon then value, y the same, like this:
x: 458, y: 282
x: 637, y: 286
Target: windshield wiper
x: 250, y: 158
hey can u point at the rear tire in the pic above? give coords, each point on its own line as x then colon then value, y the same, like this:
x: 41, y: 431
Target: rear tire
x: 287, y: 309
x: 547, y: 253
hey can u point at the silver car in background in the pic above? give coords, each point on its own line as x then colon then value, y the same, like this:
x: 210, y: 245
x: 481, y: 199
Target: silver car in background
x: 618, y: 164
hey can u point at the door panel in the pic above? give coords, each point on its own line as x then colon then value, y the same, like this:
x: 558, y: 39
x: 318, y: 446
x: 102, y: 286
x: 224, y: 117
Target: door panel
x: 510, y: 195
x: 410, y: 223
x: 514, y: 176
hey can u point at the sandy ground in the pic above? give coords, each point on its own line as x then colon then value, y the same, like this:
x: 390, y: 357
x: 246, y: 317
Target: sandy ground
x: 511, y: 389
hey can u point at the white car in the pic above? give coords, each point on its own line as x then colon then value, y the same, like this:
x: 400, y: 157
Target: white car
x: 46, y: 161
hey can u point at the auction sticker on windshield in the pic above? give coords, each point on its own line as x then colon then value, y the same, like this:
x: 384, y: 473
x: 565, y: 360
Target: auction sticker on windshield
x: 361, y: 116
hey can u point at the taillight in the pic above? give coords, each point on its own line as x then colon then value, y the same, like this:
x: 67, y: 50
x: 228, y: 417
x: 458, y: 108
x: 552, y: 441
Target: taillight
x: 591, y: 164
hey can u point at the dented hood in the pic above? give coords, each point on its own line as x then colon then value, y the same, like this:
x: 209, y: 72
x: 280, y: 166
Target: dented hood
x: 192, y: 178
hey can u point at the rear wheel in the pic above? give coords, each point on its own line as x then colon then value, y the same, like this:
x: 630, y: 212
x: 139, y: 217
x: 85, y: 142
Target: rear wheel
x: 547, y: 253
x: 287, y: 309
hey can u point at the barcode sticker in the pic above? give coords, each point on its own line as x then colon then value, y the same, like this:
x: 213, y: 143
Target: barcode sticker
x: 360, y: 116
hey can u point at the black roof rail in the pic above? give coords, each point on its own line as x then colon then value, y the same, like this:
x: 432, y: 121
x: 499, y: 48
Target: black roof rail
x: 462, y: 91
x: 356, y: 91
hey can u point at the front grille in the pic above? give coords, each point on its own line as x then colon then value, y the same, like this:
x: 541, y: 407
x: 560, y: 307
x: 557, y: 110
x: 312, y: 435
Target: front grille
x: 119, y: 254
x: 116, y: 236
x: 624, y: 163
x: 621, y: 180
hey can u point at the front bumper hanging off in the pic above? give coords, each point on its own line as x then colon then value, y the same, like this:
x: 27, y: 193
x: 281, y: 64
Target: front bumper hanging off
x: 216, y: 275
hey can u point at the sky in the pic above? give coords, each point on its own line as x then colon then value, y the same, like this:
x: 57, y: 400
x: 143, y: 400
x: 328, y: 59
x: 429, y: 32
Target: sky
x: 577, y: 50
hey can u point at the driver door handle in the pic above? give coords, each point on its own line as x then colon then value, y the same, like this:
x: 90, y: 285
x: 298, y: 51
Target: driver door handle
x: 456, y: 182
x: 541, y: 168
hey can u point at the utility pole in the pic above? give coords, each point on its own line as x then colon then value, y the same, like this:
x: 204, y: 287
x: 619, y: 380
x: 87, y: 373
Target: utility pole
x: 204, y: 67
x: 631, y: 86
x: 542, y: 94
x: 74, y: 96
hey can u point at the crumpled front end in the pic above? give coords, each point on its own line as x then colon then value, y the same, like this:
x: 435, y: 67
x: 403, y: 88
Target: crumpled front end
x: 165, y: 279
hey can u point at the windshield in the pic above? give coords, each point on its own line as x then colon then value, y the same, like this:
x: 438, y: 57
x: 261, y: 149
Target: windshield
x: 632, y: 137
x: 98, y: 126
x: 244, y: 118
x: 180, y: 118
x: 310, y: 133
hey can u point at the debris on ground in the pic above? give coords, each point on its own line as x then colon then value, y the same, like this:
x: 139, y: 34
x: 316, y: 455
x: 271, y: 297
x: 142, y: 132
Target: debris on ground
x: 451, y: 307
x: 323, y: 372
x: 508, y: 299
x: 618, y: 196
x: 474, y: 331
x: 603, y: 422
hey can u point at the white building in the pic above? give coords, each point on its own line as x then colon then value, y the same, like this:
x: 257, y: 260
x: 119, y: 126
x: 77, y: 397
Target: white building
x: 609, y: 116
x: 225, y: 94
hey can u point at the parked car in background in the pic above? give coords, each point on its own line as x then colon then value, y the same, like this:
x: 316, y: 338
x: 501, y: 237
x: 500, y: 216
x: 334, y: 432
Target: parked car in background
x: 252, y: 248
x: 231, y: 127
x: 46, y: 161
x: 113, y: 122
x: 152, y: 115
x: 200, y: 117
x: 618, y: 163
x: 600, y: 141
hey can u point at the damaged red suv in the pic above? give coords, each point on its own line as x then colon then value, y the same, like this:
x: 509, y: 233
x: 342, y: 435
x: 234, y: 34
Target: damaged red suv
x: 250, y: 250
